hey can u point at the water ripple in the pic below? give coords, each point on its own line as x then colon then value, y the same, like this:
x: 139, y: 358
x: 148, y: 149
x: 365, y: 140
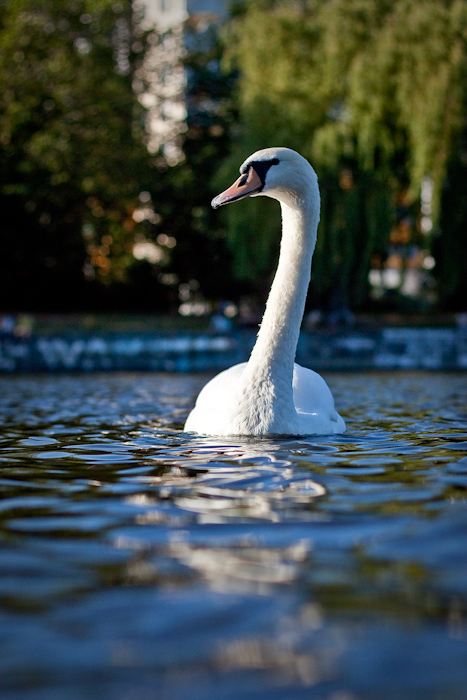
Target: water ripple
x: 139, y: 561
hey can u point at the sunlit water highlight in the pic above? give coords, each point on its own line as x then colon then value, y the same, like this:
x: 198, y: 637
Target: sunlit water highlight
x: 140, y: 562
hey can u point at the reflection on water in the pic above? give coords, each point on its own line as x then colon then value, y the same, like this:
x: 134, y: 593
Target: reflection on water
x: 140, y: 562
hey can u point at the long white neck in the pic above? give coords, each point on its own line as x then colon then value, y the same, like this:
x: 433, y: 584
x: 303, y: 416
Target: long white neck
x: 274, y: 352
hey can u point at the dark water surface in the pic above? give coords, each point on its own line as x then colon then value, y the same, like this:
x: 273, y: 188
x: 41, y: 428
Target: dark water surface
x: 139, y: 563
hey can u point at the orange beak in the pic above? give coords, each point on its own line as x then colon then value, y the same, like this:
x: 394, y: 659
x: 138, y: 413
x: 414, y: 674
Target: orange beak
x: 247, y: 184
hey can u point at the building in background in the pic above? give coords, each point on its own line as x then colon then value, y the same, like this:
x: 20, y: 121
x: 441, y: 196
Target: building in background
x: 161, y: 81
x: 166, y: 14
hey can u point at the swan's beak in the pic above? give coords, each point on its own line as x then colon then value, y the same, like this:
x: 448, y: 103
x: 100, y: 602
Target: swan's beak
x: 247, y: 184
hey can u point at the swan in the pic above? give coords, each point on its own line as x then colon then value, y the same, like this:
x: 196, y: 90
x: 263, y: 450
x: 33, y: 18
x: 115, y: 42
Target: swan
x: 270, y: 395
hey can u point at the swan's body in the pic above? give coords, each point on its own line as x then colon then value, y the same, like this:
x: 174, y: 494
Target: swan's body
x: 269, y: 394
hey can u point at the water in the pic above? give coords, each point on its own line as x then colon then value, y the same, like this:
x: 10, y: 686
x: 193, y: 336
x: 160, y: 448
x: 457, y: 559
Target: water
x: 139, y: 562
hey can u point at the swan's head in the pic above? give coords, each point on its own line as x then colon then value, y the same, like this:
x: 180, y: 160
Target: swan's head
x: 279, y: 173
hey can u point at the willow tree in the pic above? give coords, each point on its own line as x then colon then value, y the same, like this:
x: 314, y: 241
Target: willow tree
x: 373, y: 92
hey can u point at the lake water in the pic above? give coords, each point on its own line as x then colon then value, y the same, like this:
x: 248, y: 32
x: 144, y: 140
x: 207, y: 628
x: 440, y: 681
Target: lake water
x: 141, y: 563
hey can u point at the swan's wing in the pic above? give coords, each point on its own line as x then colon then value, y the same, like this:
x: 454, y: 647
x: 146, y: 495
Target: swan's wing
x: 310, y: 391
x: 214, y: 393
x: 313, y: 397
x: 212, y: 399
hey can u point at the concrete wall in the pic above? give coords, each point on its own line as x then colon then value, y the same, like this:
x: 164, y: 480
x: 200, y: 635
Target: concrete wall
x: 385, y: 349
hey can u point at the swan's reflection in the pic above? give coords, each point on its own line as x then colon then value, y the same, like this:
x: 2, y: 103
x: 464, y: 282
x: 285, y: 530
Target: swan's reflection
x: 251, y: 479
x: 246, y: 565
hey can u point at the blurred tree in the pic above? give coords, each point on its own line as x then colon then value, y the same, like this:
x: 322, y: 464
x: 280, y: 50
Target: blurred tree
x: 90, y: 217
x: 373, y: 92
x: 72, y: 150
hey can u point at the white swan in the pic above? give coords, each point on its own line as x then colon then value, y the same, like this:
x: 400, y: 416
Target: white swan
x: 269, y: 394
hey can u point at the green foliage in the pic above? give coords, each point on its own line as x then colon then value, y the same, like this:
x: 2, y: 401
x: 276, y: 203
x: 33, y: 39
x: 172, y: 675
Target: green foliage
x: 373, y: 92
x: 74, y: 162
x: 71, y: 139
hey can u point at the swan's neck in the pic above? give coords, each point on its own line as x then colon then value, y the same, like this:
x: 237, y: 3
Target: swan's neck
x: 273, y: 355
